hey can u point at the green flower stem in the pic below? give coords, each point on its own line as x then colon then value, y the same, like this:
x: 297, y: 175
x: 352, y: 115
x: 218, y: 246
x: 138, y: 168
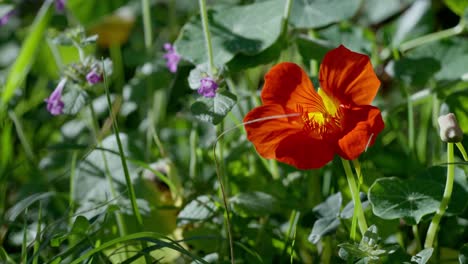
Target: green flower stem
x: 417, y: 237
x: 193, y: 139
x: 358, y: 212
x: 293, y: 219
x: 118, y: 217
x: 220, y: 174
x: 145, y: 5
x: 410, y: 44
x: 287, y: 13
x: 128, y: 180
x: 37, y: 242
x: 432, y: 231
x: 206, y: 31
x: 462, y: 150
x: 71, y: 202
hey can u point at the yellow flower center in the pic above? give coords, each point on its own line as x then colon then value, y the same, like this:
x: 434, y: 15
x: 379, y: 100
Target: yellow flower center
x: 325, y: 121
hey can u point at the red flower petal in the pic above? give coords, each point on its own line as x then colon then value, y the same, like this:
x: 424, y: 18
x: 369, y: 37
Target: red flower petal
x: 267, y: 126
x: 348, y: 76
x: 361, y: 127
x: 288, y: 85
x: 304, y: 152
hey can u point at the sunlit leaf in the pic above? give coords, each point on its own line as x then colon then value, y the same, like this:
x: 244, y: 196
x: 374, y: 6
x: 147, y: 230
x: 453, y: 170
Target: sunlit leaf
x: 213, y: 110
x: 248, y: 29
x: 254, y: 203
x: 198, y: 210
x: 319, y: 13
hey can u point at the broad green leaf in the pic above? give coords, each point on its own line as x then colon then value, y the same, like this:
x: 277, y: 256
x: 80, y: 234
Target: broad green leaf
x: 254, y: 203
x: 452, y: 55
x: 91, y: 184
x: 411, y: 199
x: 74, y: 98
x: 20, y: 206
x: 90, y: 12
x: 457, y: 6
x: 328, y: 213
x: 463, y: 257
x: 312, y: 49
x: 355, y: 38
x: 331, y: 207
x: 423, y: 256
x: 213, y: 110
x: 415, y: 72
x: 392, y: 198
x: 80, y: 225
x: 413, y: 22
x: 248, y: 29
x: 26, y: 57
x: 376, y: 11
x: 319, y: 13
x: 322, y: 227
x: 198, y: 210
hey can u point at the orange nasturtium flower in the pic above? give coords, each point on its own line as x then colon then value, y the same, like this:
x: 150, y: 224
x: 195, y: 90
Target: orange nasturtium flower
x: 304, y: 128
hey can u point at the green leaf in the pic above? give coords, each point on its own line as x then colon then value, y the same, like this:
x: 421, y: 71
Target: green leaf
x: 331, y: 207
x: 452, y: 55
x: 74, y: 98
x: 392, y: 198
x: 26, y: 57
x: 457, y: 6
x: 322, y: 227
x: 463, y: 257
x: 213, y: 110
x: 319, y: 13
x: 411, y: 199
x: 90, y: 12
x: 248, y: 29
x: 423, y: 256
x: 80, y: 225
x: 415, y: 72
x: 254, y: 203
x: 198, y: 210
x: 20, y: 206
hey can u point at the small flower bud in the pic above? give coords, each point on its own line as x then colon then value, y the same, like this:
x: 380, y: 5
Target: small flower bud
x: 54, y: 102
x: 172, y: 57
x: 449, y: 130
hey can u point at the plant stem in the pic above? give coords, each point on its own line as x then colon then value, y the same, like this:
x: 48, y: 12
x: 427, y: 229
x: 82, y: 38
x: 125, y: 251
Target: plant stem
x: 417, y: 237
x: 119, y: 72
x: 128, y: 180
x: 293, y: 218
x: 410, y: 44
x: 462, y: 150
x: 287, y: 13
x: 193, y: 151
x: 206, y: 31
x: 118, y: 217
x: 358, y: 212
x: 220, y: 173
x: 432, y: 231
x: 147, y: 24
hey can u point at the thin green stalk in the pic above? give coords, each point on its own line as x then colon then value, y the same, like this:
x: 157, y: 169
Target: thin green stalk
x: 193, y: 151
x: 147, y: 30
x: 24, y: 246
x: 128, y: 180
x: 433, y: 227
x: 417, y: 237
x: 220, y: 173
x: 293, y: 218
x: 462, y: 150
x: 118, y: 217
x: 358, y: 212
x: 206, y: 31
x: 38, y: 236
x: 22, y: 136
x: 409, y: 105
x: 286, y: 14
x: 71, y: 203
x: 410, y: 44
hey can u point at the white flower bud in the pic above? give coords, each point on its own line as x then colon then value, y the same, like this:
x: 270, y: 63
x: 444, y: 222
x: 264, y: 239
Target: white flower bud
x: 449, y: 130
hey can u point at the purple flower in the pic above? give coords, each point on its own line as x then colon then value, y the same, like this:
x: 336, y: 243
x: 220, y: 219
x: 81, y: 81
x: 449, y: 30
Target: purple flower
x: 93, y: 77
x: 172, y: 58
x: 54, y: 102
x: 208, y: 87
x: 60, y: 6
x: 5, y: 18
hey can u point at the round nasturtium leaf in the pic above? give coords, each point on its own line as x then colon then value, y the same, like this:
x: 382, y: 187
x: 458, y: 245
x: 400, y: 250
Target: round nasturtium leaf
x: 392, y: 198
x: 411, y: 199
